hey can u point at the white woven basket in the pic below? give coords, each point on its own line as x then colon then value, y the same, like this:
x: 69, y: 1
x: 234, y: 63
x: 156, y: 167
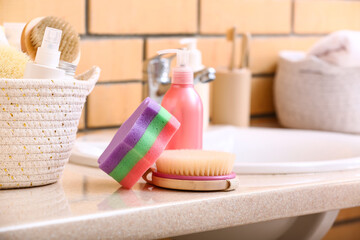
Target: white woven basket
x: 38, y: 125
x: 311, y: 94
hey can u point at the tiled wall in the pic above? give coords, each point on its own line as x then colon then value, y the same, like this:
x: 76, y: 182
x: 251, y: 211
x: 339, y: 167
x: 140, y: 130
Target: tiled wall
x: 118, y: 35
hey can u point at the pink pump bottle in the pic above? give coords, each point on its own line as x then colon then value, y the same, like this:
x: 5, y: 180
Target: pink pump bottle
x: 182, y: 101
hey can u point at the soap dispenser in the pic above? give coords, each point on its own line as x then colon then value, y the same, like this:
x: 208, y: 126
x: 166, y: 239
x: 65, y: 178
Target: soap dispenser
x: 203, y: 89
x: 195, y: 58
x: 182, y: 101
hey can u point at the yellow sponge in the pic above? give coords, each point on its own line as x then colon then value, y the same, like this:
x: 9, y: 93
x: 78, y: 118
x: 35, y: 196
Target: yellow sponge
x: 12, y: 62
x: 195, y: 163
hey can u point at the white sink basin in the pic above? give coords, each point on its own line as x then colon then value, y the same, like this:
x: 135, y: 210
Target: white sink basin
x: 258, y: 150
x: 278, y: 151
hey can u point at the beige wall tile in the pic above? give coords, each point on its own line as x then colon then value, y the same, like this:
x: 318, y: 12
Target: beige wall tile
x: 262, y: 100
x: 112, y: 104
x: 155, y: 44
x: 216, y: 52
x: 119, y: 59
x: 142, y: 16
x: 264, y: 51
x: 25, y: 10
x: 350, y: 231
x: 324, y: 16
x: 255, y: 16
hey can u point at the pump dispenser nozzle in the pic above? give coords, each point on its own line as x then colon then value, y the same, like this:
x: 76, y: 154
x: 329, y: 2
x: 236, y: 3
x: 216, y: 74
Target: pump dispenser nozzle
x: 182, y: 56
x: 48, y: 54
x: 195, y: 59
x: 190, y: 42
x: 51, y: 39
x: 47, y: 58
x: 182, y: 73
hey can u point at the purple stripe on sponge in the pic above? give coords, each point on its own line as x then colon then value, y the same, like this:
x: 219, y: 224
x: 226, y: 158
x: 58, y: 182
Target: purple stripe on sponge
x: 128, y: 135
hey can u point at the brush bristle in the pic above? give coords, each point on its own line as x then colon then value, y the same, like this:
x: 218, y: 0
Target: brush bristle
x: 195, y: 163
x: 70, y: 41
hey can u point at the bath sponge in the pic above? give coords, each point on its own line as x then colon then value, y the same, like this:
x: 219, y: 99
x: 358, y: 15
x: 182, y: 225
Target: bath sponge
x: 152, y: 155
x: 12, y: 62
x: 138, y: 143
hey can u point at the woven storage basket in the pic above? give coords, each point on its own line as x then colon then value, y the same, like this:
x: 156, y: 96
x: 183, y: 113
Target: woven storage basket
x: 38, y: 125
x: 311, y: 94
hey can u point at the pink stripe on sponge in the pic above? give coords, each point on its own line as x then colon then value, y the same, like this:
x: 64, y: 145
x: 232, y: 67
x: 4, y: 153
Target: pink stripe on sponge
x: 152, y: 155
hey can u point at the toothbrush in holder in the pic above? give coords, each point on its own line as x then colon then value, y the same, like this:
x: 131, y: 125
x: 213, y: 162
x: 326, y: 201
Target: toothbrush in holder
x: 232, y: 88
x: 231, y: 36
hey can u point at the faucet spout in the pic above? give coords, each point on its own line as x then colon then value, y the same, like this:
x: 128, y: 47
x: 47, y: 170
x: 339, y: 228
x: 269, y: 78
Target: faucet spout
x: 156, y: 74
x: 205, y: 75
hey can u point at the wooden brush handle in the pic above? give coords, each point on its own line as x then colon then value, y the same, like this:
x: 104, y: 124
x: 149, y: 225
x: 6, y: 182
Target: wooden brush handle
x: 231, y: 36
x: 191, y: 185
x: 146, y: 174
x: 245, y: 50
x: 233, y: 50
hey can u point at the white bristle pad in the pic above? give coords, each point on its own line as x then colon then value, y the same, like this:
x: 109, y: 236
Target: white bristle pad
x: 195, y: 162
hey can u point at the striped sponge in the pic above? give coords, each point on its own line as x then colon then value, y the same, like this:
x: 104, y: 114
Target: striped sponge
x: 138, y: 143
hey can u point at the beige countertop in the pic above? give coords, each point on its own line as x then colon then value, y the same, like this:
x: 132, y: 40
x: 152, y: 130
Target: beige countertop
x: 88, y: 204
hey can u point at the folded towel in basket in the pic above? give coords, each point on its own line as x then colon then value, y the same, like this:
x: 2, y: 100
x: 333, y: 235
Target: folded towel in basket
x: 341, y: 48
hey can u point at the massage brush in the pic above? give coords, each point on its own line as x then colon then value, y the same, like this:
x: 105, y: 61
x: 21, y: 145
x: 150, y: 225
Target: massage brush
x: 33, y: 32
x: 194, y: 170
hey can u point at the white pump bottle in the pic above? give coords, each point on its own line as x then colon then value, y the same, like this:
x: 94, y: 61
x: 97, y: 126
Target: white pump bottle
x: 47, y: 58
x: 203, y: 89
x: 195, y: 58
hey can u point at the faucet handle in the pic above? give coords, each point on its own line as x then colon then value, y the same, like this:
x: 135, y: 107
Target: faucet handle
x: 204, y: 76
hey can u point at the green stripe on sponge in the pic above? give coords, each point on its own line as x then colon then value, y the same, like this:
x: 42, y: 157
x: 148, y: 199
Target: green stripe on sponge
x: 152, y: 155
x: 142, y: 146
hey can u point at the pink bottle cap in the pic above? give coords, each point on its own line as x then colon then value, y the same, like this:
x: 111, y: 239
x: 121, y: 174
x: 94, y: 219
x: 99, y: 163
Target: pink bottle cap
x: 182, y: 75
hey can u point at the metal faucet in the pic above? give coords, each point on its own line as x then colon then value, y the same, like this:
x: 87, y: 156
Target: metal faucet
x: 156, y: 72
